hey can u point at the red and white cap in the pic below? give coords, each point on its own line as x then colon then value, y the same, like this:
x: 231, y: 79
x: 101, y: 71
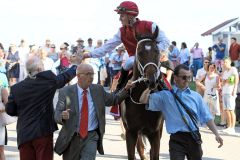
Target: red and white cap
x: 127, y: 7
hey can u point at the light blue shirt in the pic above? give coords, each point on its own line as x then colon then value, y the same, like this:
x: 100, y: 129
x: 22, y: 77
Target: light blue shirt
x: 118, y: 62
x: 173, y: 56
x: 184, y: 55
x: 164, y: 101
x: 92, y: 117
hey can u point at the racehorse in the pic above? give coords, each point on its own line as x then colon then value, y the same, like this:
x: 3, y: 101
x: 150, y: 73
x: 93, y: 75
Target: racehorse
x: 136, y: 119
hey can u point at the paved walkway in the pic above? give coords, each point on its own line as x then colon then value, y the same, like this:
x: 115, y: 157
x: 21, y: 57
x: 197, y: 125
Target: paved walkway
x: 115, y: 148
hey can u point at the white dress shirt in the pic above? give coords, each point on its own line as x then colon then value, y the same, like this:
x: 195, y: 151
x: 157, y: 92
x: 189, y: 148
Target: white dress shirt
x: 92, y: 116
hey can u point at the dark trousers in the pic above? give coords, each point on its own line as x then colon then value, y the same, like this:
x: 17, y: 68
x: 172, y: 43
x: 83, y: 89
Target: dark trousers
x: 197, y: 64
x: 182, y: 144
x: 37, y: 149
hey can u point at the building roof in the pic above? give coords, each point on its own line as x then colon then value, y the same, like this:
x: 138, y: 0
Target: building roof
x: 221, y: 26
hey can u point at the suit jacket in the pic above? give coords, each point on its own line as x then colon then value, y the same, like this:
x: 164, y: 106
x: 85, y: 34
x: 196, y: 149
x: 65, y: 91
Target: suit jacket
x: 32, y: 101
x: 68, y: 96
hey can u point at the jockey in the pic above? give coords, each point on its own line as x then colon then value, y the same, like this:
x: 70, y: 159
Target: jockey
x: 128, y: 12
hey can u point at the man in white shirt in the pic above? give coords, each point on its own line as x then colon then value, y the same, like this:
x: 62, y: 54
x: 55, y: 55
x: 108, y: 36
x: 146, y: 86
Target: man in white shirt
x: 23, y: 56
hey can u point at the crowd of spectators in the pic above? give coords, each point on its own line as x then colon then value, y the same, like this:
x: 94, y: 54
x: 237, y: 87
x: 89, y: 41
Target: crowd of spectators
x: 215, y: 73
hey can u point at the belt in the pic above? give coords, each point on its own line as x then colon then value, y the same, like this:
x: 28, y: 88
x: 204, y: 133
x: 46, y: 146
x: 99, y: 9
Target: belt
x: 78, y: 134
x: 196, y: 58
x: 182, y: 133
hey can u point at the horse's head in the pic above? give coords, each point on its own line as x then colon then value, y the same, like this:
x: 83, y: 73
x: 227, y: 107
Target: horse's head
x: 147, y: 58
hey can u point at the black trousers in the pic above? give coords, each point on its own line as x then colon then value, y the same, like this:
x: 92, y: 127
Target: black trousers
x: 181, y: 145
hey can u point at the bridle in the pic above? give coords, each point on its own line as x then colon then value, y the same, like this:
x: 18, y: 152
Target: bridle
x: 141, y: 68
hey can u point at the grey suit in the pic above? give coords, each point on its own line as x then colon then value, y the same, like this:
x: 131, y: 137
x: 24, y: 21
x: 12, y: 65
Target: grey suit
x: 68, y: 96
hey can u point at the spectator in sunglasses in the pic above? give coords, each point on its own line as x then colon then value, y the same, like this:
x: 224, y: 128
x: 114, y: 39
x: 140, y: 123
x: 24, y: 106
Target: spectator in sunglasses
x: 200, y: 77
x: 182, y: 143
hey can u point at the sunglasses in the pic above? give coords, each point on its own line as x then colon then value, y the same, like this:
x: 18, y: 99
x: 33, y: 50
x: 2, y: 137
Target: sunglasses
x: 206, y: 62
x: 121, y: 9
x: 87, y: 74
x: 186, y: 77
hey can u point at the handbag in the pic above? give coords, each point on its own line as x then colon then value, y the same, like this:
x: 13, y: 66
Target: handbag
x: 5, y: 119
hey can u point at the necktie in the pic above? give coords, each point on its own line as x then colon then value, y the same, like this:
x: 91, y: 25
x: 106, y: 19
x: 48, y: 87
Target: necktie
x: 83, y: 129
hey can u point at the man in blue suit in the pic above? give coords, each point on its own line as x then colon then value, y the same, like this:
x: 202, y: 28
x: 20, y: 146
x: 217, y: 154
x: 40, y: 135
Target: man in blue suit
x: 31, y: 100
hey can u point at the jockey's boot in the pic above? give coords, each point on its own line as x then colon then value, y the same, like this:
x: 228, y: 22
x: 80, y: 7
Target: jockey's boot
x: 122, y: 80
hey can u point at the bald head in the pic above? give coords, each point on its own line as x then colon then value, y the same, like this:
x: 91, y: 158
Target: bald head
x: 85, y: 75
x: 83, y: 67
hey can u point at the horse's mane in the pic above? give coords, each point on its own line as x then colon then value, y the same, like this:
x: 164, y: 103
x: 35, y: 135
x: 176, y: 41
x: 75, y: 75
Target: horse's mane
x: 153, y: 36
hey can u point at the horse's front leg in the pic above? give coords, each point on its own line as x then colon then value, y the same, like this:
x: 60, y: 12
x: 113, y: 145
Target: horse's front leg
x: 154, y: 140
x: 131, y: 140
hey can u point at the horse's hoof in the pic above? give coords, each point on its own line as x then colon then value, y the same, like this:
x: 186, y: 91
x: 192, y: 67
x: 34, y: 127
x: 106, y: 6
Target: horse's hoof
x: 144, y: 158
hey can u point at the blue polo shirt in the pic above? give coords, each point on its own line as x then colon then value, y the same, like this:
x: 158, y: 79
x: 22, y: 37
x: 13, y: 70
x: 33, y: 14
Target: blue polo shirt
x: 164, y: 101
x: 219, y: 54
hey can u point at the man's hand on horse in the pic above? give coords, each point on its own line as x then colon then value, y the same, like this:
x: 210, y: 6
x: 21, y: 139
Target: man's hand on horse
x: 129, y: 85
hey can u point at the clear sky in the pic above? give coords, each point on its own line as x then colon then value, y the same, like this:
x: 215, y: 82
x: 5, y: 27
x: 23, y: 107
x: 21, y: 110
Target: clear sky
x: 67, y: 20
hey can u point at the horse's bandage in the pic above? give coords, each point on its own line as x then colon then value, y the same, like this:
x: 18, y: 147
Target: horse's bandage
x: 147, y: 47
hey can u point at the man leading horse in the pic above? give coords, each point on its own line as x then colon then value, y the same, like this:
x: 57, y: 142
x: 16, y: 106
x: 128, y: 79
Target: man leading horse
x: 131, y: 25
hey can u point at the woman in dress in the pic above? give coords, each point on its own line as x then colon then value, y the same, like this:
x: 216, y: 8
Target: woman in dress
x: 184, y: 56
x: 212, y: 85
x: 13, y: 65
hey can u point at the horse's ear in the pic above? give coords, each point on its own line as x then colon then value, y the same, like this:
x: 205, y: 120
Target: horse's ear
x: 155, y: 34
